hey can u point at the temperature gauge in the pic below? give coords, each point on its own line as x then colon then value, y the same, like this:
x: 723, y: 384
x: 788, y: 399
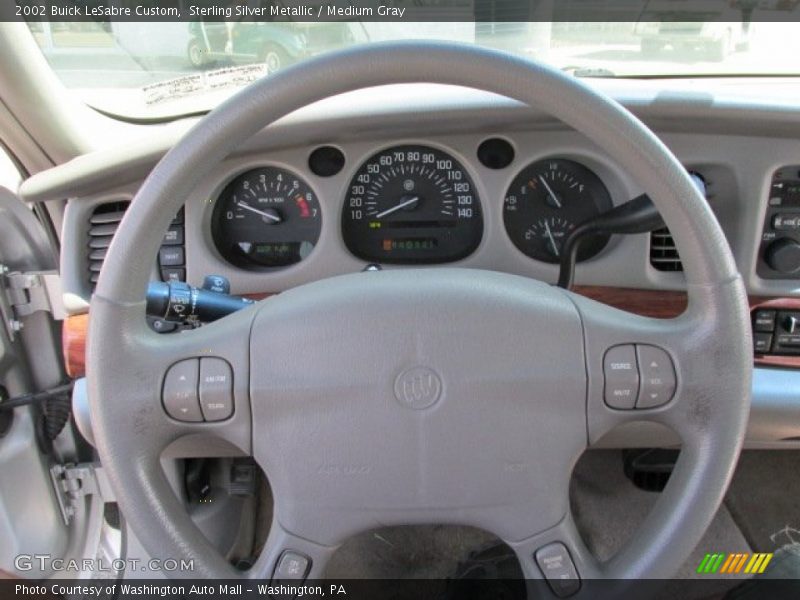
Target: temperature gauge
x: 550, y: 231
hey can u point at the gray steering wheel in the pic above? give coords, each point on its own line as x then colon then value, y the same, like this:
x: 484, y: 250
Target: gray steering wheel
x: 512, y: 369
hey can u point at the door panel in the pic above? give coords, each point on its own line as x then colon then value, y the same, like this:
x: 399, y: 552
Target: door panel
x: 30, y: 518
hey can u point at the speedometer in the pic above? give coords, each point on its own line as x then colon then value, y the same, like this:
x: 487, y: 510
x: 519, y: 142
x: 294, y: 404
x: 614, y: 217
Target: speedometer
x: 412, y: 204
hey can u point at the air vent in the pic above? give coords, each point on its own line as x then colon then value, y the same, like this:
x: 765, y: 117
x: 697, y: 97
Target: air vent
x: 102, y: 226
x: 663, y: 254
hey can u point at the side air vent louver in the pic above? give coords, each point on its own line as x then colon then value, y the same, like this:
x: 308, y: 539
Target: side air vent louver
x: 102, y: 226
x: 663, y: 254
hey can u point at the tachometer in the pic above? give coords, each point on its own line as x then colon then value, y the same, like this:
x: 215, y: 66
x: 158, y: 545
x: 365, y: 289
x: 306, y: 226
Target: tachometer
x: 546, y: 201
x: 266, y: 218
x: 412, y: 204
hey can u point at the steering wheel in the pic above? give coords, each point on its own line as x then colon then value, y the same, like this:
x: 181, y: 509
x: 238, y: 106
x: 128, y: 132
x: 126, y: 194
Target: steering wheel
x: 423, y: 396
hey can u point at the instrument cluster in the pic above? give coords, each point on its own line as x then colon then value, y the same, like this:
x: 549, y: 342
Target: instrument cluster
x: 411, y: 204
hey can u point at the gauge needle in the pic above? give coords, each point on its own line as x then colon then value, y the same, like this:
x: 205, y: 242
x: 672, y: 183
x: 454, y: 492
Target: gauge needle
x: 246, y: 206
x: 552, y: 239
x: 550, y: 191
x: 389, y: 211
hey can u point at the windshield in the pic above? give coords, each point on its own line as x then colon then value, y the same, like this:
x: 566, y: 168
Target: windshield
x: 168, y: 69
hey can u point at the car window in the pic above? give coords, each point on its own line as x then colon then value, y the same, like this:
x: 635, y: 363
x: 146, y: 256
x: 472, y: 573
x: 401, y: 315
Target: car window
x: 10, y: 176
x: 162, y: 69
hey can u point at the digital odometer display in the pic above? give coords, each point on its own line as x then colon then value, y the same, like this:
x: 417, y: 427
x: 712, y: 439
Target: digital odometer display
x: 412, y: 204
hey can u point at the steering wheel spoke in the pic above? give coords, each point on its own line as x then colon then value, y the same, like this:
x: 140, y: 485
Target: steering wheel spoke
x: 168, y: 387
x: 556, y: 562
x: 664, y: 371
x: 290, y: 559
x: 205, y: 380
x: 195, y: 382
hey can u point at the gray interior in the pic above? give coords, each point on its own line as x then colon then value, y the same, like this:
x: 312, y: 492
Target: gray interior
x: 598, y: 489
x: 28, y: 522
x: 709, y: 409
x: 690, y: 123
x: 739, y: 171
x: 735, y: 135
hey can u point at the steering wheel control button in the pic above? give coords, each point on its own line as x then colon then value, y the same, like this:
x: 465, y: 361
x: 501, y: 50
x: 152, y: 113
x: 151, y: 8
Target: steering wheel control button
x: 291, y: 566
x: 558, y: 569
x: 657, y: 374
x: 216, y: 389
x: 180, y: 391
x: 622, y: 377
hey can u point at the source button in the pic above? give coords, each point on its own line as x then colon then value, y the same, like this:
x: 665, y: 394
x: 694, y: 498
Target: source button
x: 622, y: 377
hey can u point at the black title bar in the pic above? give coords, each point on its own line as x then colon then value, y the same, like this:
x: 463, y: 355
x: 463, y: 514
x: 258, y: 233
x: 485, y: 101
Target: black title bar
x: 484, y: 11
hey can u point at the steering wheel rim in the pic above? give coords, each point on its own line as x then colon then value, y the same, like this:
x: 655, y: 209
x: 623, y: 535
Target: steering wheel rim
x: 127, y: 362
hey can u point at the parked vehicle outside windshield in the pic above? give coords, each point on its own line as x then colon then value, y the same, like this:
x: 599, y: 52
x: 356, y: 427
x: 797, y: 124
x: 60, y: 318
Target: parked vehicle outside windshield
x: 157, y: 70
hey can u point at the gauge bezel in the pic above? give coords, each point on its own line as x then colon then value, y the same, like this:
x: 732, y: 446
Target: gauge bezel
x: 331, y: 257
x: 213, y: 219
x: 464, y: 165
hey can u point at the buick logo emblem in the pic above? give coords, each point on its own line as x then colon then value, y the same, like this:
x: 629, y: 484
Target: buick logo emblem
x: 418, y: 387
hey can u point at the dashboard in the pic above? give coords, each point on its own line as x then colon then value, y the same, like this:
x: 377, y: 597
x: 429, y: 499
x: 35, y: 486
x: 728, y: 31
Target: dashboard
x: 318, y: 227
x: 416, y: 176
x: 327, y: 150
x: 410, y: 204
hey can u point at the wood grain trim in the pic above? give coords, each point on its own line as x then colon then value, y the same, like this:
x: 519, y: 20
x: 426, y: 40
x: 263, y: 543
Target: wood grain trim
x: 73, y: 341
x: 774, y: 303
x: 785, y: 362
x: 650, y: 303
x: 73, y: 344
x: 665, y: 305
